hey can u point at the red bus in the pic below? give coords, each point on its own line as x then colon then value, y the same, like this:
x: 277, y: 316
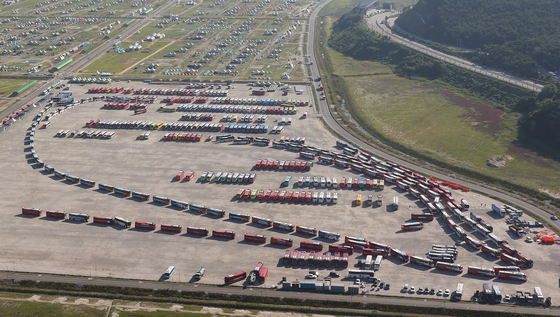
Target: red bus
x: 422, y: 216
x: 263, y: 273
x: 145, y: 225
x: 319, y: 259
x: 295, y: 257
x: 262, y: 221
x: 375, y: 252
x: 104, y: 220
x: 422, y: 261
x: 473, y: 243
x: 56, y: 214
x: 336, y: 259
x: 284, y: 226
x: 481, y: 271
x: 306, y: 230
x: 258, y: 267
x: 510, y: 260
x: 259, y: 238
x: 228, y: 234
x: 376, y: 245
x: 528, y: 262
x: 311, y: 258
x: 498, y: 269
x: 282, y: 241
x: 346, y: 238
x: 31, y: 211
x: 344, y: 261
x: 172, y: 228
x: 230, y: 279
x: 340, y: 248
x: 516, y: 276
x: 197, y: 231
x: 327, y: 260
x: 357, y: 244
x: 400, y: 255
x: 287, y: 257
x: 311, y: 245
x: 302, y: 261
x: 508, y: 249
x: 458, y: 268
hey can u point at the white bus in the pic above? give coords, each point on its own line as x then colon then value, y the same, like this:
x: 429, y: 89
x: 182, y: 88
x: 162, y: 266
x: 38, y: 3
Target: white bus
x: 539, y: 298
x: 78, y: 217
x: 169, y: 272
x: 369, y: 260
x: 458, y: 292
x: 360, y: 273
x: 395, y: 203
x: 377, y: 264
x: 122, y: 222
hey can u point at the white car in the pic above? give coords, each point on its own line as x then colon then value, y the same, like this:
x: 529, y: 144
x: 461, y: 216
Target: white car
x: 446, y: 293
x: 405, y: 288
x: 412, y: 290
x: 311, y: 276
x: 439, y: 292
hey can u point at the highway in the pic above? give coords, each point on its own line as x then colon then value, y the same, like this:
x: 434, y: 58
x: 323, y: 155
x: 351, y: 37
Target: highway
x: 324, y: 110
x: 282, y: 294
x: 377, y: 24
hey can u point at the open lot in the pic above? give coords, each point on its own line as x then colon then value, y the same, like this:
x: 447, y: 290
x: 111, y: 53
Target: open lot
x: 64, y: 247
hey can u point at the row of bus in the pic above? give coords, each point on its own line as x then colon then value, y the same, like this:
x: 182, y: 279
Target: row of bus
x: 289, y: 196
x: 315, y: 258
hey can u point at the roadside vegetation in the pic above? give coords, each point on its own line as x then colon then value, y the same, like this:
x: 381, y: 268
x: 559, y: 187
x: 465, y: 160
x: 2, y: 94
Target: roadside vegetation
x: 432, y: 111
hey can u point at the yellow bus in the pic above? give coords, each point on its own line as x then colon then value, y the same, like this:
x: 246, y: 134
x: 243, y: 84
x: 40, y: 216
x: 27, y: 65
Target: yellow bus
x: 359, y: 200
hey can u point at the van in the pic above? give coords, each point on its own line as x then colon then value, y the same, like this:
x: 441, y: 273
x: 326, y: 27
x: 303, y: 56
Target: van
x: 329, y: 182
x: 321, y: 197
x: 328, y: 199
x: 315, y: 197
x: 283, y: 122
x: 289, y: 121
x: 335, y: 198
x: 323, y: 182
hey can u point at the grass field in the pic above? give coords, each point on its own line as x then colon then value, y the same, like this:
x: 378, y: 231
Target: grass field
x: 21, y: 308
x: 8, y: 86
x: 439, y: 122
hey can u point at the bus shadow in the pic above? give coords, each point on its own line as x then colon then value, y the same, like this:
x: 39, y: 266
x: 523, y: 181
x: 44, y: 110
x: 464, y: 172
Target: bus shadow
x: 218, y: 239
x: 249, y: 243
x: 119, y: 228
x: 103, y: 191
x: 139, y: 230
x: 276, y: 246
x: 25, y: 216
x: 51, y: 219
x: 100, y: 225
x: 418, y: 267
x: 195, y: 236
x: 44, y: 172
x: 169, y: 233
x: 33, y: 164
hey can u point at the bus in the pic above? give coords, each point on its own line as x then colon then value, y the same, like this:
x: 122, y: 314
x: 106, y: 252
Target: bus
x: 516, y: 276
x: 259, y: 238
x: 145, y: 225
x: 216, y: 212
x: 473, y: 242
x: 242, y: 217
x: 400, y: 255
x: 87, y: 182
x: 124, y: 192
x: 483, y: 231
x: 78, y: 217
x: 412, y: 226
x: 422, y: 261
x: 295, y: 257
x: 499, y: 269
x: 227, y: 234
x: 497, y: 241
x: 481, y: 271
x: 302, y: 261
x: 282, y: 241
x: 341, y: 248
x: 262, y: 221
x: 538, y: 295
x: 73, y: 179
x: 179, y: 204
x: 336, y: 259
x: 327, y: 259
x: 510, y: 260
x: 368, y: 263
x: 508, y: 249
x: 377, y: 263
x: 458, y: 268
x: 475, y: 217
x: 287, y: 257
x: 104, y: 220
x: 201, y: 209
x: 311, y: 245
x: 56, y: 214
x: 171, y: 228
x: 122, y: 222
x: 528, y: 262
x: 329, y: 235
x: 496, y: 293
x: 282, y: 225
x: 232, y: 278
x: 306, y: 230
x: 161, y: 200
x: 422, y: 216
x: 348, y: 238
x: 487, y: 292
x: 490, y: 251
x: 357, y: 244
x: 376, y: 245
x: 197, y: 231
x: 464, y: 205
x: 106, y: 187
x: 169, y: 272
x: 263, y: 274
x: 375, y: 252
x: 140, y: 196
x: 60, y: 174
x: 458, y: 292
x: 31, y: 211
x: 344, y: 261
x: 49, y: 169
x: 200, y: 273
x: 361, y: 274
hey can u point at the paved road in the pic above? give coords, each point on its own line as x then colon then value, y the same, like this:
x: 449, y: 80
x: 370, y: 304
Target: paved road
x: 324, y: 110
x: 377, y: 24
x: 259, y: 292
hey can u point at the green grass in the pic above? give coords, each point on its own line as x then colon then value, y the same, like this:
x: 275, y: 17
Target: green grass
x: 21, y: 308
x: 8, y: 86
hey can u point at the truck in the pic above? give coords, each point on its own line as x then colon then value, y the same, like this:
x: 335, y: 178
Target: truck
x: 200, y: 273
x: 499, y: 210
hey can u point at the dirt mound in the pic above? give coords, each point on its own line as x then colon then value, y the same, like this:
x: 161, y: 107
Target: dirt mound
x: 499, y: 161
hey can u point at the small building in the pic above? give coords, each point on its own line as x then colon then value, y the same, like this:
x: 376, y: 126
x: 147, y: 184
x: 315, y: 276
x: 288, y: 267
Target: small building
x: 367, y: 4
x: 299, y: 89
x: 285, y: 76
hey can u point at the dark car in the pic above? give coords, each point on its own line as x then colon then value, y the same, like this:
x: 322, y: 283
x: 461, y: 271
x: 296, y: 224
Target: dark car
x: 387, y: 286
x: 334, y: 274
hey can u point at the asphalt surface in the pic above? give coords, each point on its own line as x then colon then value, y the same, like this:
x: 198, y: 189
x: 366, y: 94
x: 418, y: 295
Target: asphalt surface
x: 324, y: 109
x: 382, y: 28
x: 300, y: 295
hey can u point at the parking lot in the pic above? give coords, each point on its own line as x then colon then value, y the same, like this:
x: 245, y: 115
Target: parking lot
x: 44, y: 245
